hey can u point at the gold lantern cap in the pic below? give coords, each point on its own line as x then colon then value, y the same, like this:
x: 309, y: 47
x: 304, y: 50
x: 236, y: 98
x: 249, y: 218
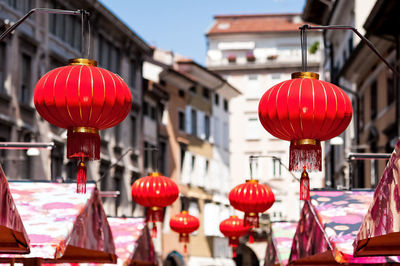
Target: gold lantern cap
x: 305, y: 75
x: 82, y: 61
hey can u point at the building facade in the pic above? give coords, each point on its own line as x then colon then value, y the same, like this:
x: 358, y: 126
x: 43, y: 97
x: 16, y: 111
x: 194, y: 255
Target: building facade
x: 44, y: 42
x: 255, y: 52
x: 198, y: 156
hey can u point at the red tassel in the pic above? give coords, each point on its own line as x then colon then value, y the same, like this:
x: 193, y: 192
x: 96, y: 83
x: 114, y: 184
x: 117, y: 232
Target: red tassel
x: 185, y: 248
x: 154, y: 231
x: 83, y: 142
x: 81, y: 178
x: 234, y: 254
x: 305, y: 153
x: 304, y: 186
x: 251, y: 237
x: 251, y: 219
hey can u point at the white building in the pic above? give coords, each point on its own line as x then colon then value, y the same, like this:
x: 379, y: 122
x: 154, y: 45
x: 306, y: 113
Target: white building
x: 255, y: 52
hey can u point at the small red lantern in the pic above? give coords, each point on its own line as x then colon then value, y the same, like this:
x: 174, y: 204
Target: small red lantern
x: 251, y: 198
x: 233, y: 228
x: 84, y: 99
x: 184, y: 224
x: 154, y: 192
x: 305, y: 111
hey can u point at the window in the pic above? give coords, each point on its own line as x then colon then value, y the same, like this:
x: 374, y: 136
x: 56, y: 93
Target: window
x: 145, y: 108
x: 153, y: 113
x: 133, y: 131
x: 181, y: 93
x: 193, y: 89
x: 225, y: 133
x: 253, y: 132
x: 66, y: 28
x: 132, y: 74
x: 104, y: 172
x: 2, y: 66
x: 117, y: 134
x: 206, y: 93
x: 163, y: 157
x: 390, y: 88
x: 275, y: 76
x: 216, y: 99
x: 207, y: 127
x: 193, y: 163
x: 252, y: 77
x: 26, y: 77
x: 148, y: 155
x: 183, y: 148
x: 194, y: 122
x: 277, y: 167
x: 181, y: 120
x: 225, y: 105
x: 22, y: 5
x: 57, y: 159
x: 118, y: 175
x: 109, y: 56
x: 374, y: 100
x: 361, y: 112
x: 134, y: 176
x: 207, y: 166
x: 216, y: 131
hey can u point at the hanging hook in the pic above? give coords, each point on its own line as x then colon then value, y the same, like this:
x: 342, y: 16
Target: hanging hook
x: 84, y: 15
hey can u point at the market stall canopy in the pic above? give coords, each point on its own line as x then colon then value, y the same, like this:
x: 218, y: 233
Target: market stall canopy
x: 62, y: 226
x: 279, y: 243
x: 13, y: 237
x: 133, y: 244
x: 380, y: 230
x: 327, y: 227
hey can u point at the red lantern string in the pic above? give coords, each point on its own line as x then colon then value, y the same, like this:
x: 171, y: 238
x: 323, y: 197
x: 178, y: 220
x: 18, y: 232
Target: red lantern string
x: 305, y: 111
x: 251, y: 236
x: 251, y: 198
x: 184, y: 224
x: 233, y: 228
x: 304, y: 186
x: 81, y: 178
x: 83, y: 99
x: 154, y: 192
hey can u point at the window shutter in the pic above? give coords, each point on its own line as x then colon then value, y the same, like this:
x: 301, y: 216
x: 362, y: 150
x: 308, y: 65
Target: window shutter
x: 188, y: 118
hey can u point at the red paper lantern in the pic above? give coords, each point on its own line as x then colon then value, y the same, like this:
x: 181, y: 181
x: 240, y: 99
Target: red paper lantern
x: 84, y: 99
x: 184, y: 224
x: 251, y: 198
x: 305, y: 111
x: 233, y: 228
x: 154, y: 192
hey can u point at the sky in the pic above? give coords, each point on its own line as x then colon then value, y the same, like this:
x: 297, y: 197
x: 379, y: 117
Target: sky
x: 180, y: 25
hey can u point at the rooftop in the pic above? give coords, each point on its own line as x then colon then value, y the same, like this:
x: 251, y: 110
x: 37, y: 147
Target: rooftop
x: 256, y: 23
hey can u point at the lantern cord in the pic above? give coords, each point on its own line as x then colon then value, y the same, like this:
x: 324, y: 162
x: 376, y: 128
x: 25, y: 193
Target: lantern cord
x: 85, y: 15
x: 303, y: 43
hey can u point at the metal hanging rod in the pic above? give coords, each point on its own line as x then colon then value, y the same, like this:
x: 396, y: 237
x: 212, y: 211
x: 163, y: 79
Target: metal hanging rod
x: 368, y: 156
x: 365, y: 40
x: 25, y: 145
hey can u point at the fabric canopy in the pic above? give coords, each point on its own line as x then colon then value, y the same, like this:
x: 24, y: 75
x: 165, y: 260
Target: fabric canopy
x: 13, y: 237
x: 380, y: 230
x: 132, y: 240
x: 62, y: 226
x: 279, y: 243
x: 327, y: 227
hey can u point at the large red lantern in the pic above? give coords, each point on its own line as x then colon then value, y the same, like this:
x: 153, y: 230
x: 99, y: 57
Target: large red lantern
x: 154, y: 192
x: 184, y: 224
x: 233, y: 228
x: 83, y: 99
x: 305, y: 111
x: 251, y: 198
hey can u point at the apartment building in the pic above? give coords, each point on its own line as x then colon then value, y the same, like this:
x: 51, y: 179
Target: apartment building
x: 44, y: 42
x: 195, y: 121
